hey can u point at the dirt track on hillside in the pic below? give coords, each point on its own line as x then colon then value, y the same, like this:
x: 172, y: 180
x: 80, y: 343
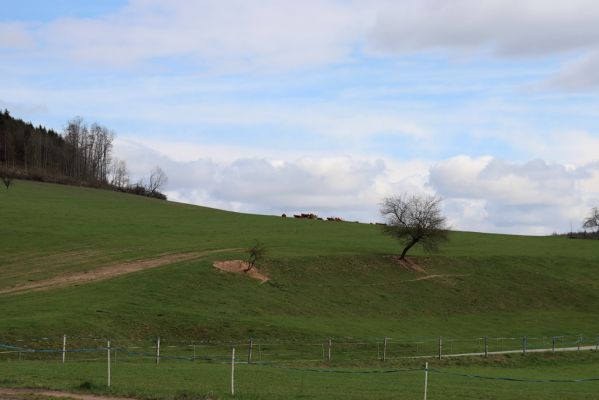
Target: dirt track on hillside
x: 18, y: 394
x: 107, y: 272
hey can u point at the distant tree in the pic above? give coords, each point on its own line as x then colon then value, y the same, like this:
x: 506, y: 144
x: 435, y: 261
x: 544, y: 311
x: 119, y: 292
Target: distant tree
x: 158, y: 180
x: 255, y: 253
x: 592, y: 221
x: 119, y: 175
x: 414, y: 219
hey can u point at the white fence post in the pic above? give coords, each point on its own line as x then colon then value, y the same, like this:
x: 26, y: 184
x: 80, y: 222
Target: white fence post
x: 64, y: 347
x: 108, y: 355
x: 250, y: 350
x: 233, y: 372
x: 158, y: 350
x: 425, y: 380
x: 385, y: 350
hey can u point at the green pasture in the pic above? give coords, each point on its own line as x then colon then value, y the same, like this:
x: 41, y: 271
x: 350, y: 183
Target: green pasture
x: 195, y: 380
x: 327, y: 279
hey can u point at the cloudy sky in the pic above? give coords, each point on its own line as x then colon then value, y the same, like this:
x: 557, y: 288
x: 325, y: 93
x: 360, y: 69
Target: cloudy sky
x: 328, y: 106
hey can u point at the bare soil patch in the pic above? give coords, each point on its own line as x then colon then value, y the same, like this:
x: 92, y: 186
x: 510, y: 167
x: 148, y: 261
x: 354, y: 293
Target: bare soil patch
x: 240, y: 267
x: 108, y: 272
x: 10, y: 394
x: 409, y: 263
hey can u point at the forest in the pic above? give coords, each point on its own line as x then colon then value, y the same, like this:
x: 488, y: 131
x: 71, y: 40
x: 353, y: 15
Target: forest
x: 80, y: 155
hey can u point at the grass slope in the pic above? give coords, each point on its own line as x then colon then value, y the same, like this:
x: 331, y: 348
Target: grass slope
x: 328, y: 279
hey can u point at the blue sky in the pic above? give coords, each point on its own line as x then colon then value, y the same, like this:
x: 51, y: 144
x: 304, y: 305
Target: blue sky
x: 328, y: 106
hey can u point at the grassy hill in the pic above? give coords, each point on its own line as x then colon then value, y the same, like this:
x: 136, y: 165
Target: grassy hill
x: 327, y: 279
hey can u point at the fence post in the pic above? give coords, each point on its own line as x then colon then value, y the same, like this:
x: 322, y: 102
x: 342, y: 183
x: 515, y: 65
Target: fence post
x: 486, y: 347
x: 553, y: 344
x: 579, y: 341
x: 250, y: 348
x: 425, y: 380
x: 158, y: 350
x: 440, y: 347
x: 524, y: 345
x: 385, y: 350
x: 233, y: 372
x: 330, y: 345
x: 597, y: 344
x: 108, y: 355
x: 64, y: 347
x: 194, y: 350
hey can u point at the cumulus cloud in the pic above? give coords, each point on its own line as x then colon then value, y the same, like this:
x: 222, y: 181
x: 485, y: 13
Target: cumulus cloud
x: 349, y: 187
x: 534, y: 197
x: 482, y: 194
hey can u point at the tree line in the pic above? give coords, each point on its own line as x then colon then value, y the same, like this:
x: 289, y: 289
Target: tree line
x: 80, y: 155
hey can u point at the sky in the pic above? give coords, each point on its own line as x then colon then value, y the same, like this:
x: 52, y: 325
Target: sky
x: 328, y: 106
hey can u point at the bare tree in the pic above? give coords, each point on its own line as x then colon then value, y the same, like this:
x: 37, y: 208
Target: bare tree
x: 256, y: 253
x: 414, y: 219
x: 119, y: 175
x: 158, y: 180
x: 592, y: 221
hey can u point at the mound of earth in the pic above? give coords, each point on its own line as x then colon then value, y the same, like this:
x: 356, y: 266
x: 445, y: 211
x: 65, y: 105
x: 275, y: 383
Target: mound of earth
x: 240, y: 267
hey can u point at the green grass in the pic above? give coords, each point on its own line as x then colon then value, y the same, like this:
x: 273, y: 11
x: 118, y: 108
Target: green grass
x: 327, y: 280
x: 183, y: 380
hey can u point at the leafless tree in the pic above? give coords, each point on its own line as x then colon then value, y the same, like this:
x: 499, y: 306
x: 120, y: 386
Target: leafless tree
x: 415, y: 219
x: 592, y: 221
x: 119, y: 175
x: 157, y: 181
x: 256, y: 253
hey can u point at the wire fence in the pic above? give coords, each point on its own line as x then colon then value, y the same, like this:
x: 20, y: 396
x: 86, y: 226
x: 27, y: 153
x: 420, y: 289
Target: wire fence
x: 298, y: 358
x: 77, y: 348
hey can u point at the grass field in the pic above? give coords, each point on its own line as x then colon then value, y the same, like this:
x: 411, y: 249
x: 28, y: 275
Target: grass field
x: 199, y: 380
x: 327, y: 280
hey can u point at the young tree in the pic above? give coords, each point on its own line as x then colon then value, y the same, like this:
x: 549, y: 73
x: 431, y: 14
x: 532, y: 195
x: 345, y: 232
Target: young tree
x: 256, y: 253
x: 6, y: 176
x: 592, y: 221
x: 414, y: 219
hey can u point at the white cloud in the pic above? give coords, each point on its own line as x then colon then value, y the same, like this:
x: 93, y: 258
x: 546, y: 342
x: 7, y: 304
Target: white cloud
x: 581, y: 75
x: 533, y: 197
x: 232, y: 35
x: 504, y: 27
x: 350, y: 187
x: 237, y: 35
x: 481, y: 194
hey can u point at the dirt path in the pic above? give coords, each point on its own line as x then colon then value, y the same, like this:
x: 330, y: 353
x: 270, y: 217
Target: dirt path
x: 18, y: 394
x: 108, y: 272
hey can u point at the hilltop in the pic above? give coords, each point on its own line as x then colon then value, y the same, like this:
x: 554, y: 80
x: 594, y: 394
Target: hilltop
x: 326, y: 278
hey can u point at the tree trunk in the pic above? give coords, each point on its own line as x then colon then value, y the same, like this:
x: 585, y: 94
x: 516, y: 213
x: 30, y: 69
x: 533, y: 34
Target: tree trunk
x: 408, y: 247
